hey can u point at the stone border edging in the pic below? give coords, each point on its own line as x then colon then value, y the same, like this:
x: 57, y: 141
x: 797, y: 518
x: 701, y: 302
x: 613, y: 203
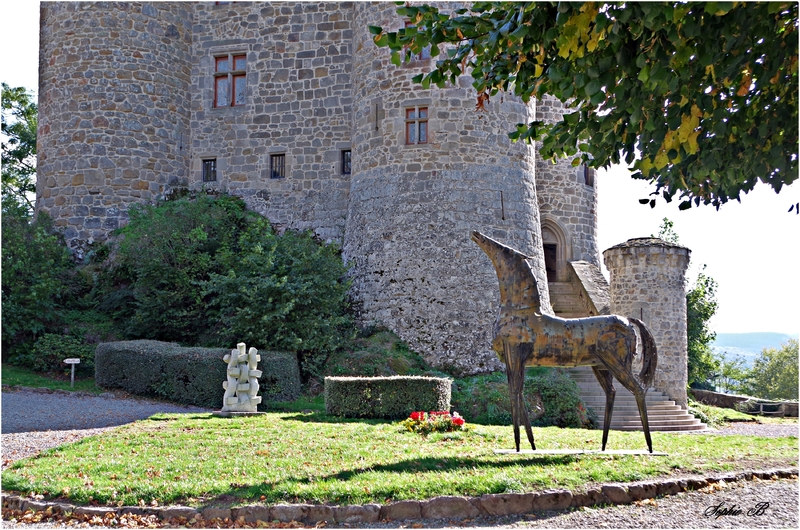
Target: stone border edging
x: 454, y: 507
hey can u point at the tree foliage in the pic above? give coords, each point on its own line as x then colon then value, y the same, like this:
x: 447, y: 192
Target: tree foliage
x: 19, y: 122
x: 698, y: 98
x: 34, y: 263
x: 701, y: 305
x: 774, y: 374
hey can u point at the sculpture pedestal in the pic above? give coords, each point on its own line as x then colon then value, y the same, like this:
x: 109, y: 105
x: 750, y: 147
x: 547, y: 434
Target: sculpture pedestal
x: 233, y: 414
x: 593, y: 452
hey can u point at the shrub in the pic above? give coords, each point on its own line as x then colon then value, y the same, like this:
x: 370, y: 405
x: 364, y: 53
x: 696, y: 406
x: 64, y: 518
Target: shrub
x: 551, y: 397
x: 376, y: 352
x: 206, y: 271
x: 50, y: 350
x: 385, y: 397
x: 192, y: 376
x: 34, y: 260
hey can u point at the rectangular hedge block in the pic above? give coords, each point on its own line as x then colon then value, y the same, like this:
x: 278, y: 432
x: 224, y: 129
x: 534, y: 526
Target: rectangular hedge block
x: 385, y: 397
x: 192, y: 376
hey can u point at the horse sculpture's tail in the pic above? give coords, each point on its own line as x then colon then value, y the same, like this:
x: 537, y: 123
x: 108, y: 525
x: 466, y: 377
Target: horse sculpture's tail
x: 649, y: 355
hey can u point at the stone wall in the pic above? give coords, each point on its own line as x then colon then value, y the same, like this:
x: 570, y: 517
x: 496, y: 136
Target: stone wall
x: 113, y: 111
x: 298, y: 104
x: 648, y: 282
x: 412, y: 207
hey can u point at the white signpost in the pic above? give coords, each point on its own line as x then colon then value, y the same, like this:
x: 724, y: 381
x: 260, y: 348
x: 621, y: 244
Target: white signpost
x: 73, y: 362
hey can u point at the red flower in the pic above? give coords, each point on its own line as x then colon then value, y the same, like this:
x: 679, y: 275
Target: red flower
x: 417, y: 416
x: 458, y: 421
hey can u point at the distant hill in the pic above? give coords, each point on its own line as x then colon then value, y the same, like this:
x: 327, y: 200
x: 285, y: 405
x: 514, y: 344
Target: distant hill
x: 747, y: 345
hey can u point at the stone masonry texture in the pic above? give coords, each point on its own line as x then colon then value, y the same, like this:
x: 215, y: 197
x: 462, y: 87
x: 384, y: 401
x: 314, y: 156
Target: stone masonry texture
x: 128, y: 116
x: 648, y: 282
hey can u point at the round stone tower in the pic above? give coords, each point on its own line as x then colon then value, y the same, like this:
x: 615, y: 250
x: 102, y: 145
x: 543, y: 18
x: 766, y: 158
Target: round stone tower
x: 648, y: 282
x: 567, y: 202
x: 427, y: 170
x: 114, y: 111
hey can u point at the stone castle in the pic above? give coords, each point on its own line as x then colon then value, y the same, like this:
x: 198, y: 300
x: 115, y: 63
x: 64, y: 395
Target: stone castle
x: 292, y: 107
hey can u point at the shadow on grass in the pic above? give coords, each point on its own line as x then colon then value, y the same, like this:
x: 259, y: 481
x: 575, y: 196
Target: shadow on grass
x: 274, y: 491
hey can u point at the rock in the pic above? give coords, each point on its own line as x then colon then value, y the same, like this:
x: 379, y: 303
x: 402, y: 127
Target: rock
x: 592, y: 497
x: 616, y: 494
x: 251, y: 513
x: 553, y: 500
x: 696, y: 483
x: 317, y: 513
x: 507, y: 503
x: 401, y: 511
x: 37, y: 506
x: 448, y: 507
x: 369, y: 513
x: 669, y: 487
x: 645, y: 490
x: 177, y: 511
x: 216, y: 513
x: 99, y: 511
x: 286, y: 513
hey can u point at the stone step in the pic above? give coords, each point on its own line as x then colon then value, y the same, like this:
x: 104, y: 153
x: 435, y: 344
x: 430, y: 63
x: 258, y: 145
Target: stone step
x: 662, y: 413
x: 656, y: 428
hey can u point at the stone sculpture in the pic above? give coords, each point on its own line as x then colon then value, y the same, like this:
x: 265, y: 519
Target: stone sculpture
x: 524, y: 336
x: 241, y: 389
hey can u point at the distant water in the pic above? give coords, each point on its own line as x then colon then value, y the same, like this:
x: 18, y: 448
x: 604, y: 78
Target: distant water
x: 747, y: 345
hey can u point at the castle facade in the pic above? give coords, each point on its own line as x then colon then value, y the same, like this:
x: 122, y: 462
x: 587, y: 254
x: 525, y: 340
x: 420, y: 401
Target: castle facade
x: 292, y: 107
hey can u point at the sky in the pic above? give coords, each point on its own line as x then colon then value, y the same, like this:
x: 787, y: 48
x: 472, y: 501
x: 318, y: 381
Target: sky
x: 752, y: 248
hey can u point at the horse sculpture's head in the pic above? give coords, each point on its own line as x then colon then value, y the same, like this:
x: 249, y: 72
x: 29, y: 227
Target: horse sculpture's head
x: 517, y: 282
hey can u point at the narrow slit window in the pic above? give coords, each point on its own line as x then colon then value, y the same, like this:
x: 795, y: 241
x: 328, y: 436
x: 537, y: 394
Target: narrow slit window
x: 277, y: 166
x: 230, y: 80
x: 417, y: 125
x: 346, y: 162
x: 210, y: 170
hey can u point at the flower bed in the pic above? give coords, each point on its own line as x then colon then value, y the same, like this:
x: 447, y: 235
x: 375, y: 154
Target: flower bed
x: 435, y: 421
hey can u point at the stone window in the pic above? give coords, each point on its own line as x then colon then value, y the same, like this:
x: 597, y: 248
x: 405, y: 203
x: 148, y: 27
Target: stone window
x: 416, y: 125
x: 210, y: 170
x: 426, y: 51
x: 277, y: 166
x: 230, y: 86
x: 588, y: 175
x: 346, y: 162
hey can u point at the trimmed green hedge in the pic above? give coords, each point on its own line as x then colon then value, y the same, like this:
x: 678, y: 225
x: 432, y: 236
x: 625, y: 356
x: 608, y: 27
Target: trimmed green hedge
x: 192, y: 376
x: 385, y: 397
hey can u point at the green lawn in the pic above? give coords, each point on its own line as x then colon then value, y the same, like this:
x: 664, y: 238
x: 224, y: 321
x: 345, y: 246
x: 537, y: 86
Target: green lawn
x: 311, y: 457
x: 14, y: 375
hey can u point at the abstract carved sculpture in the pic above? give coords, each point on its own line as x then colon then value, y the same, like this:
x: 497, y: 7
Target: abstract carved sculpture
x: 524, y: 336
x: 241, y: 389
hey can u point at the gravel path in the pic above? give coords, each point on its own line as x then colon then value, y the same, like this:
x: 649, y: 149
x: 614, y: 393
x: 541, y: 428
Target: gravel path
x: 33, y: 421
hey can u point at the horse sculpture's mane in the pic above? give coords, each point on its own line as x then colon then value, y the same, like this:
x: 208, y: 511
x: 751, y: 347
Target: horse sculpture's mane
x: 514, y: 273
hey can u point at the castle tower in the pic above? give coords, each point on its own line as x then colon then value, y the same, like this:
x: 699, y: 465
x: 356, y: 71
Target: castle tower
x: 427, y: 170
x: 648, y: 278
x: 113, y: 111
x: 567, y: 203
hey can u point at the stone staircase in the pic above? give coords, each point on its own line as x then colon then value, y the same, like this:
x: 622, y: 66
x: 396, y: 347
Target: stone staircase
x: 566, y: 300
x: 662, y: 413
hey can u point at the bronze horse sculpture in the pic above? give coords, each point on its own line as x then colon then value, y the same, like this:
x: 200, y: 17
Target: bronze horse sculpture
x: 524, y: 336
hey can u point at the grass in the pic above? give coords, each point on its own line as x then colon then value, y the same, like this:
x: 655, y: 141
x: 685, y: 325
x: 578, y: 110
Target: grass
x: 16, y: 376
x: 198, y: 459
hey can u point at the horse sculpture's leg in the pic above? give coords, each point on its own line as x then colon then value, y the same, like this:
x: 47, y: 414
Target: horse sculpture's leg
x: 515, y: 356
x: 641, y: 397
x: 607, y: 383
